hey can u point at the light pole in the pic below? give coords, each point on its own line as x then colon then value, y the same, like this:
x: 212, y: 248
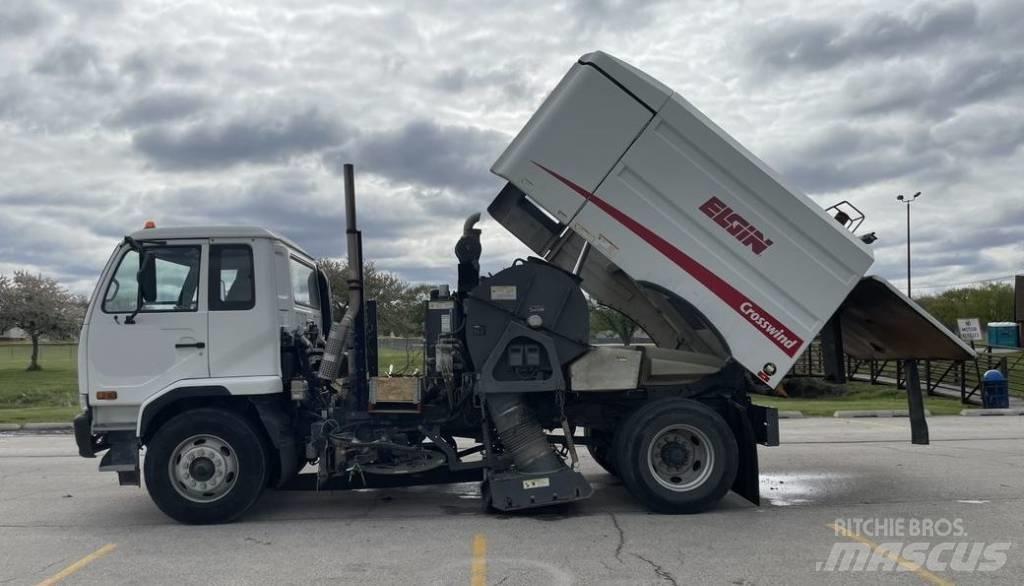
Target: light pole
x: 907, y: 201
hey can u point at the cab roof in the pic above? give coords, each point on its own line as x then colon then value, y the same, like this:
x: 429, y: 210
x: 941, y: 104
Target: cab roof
x: 195, y: 232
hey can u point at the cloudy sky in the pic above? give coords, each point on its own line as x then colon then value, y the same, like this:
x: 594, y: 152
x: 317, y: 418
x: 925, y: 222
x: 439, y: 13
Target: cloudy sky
x: 193, y: 112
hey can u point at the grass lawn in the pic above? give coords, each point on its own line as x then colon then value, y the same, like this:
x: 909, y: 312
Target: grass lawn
x: 51, y: 394
x: 403, y: 362
x: 862, y: 397
x: 38, y: 414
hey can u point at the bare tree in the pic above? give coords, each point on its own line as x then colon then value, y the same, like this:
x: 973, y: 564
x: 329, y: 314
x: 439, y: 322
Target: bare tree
x: 41, y: 307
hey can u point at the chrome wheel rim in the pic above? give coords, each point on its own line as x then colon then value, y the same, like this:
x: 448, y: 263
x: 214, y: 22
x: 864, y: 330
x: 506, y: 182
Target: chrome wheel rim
x: 680, y: 457
x: 203, y: 468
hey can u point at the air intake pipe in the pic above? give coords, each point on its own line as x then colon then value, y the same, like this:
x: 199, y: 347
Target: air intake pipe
x: 521, y: 435
x: 468, y: 250
x: 338, y: 339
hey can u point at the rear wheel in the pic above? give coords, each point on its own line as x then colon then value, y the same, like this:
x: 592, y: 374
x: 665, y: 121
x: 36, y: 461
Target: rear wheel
x: 205, y: 466
x: 677, y: 456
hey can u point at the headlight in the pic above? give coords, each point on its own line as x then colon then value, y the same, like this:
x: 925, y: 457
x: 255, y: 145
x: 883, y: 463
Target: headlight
x: 83, y: 401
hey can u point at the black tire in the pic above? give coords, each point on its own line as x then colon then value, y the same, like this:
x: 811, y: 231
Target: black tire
x: 237, y: 488
x: 599, y: 444
x: 696, y: 465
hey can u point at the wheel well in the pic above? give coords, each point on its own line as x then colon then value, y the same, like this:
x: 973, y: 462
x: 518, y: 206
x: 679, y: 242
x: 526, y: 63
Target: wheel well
x: 237, y: 404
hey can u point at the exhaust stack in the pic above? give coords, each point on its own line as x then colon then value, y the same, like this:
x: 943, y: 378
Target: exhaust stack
x: 338, y: 339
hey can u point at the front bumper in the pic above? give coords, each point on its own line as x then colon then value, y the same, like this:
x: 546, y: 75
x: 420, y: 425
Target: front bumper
x: 89, y: 444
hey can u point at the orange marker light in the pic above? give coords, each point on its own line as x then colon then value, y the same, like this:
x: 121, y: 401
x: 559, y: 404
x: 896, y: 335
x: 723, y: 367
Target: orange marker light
x: 149, y: 224
x: 106, y: 395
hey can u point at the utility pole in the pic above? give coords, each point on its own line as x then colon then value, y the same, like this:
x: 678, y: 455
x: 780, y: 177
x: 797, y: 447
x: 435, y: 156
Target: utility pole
x: 907, y: 201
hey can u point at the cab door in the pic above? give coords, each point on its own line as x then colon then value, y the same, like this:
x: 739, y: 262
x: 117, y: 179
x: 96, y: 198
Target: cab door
x: 139, y: 350
x: 244, y: 332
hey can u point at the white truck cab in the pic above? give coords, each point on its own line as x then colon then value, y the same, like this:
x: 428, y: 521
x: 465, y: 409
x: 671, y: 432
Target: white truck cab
x: 213, y: 300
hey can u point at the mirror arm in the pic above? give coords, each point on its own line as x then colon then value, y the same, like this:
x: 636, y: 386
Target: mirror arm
x: 132, y: 244
x: 144, y: 259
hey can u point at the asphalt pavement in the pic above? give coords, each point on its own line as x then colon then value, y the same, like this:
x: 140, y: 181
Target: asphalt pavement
x: 833, y: 484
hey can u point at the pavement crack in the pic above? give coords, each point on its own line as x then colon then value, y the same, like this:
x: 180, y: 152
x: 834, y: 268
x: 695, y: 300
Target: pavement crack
x: 257, y: 541
x: 622, y: 537
x: 660, y: 571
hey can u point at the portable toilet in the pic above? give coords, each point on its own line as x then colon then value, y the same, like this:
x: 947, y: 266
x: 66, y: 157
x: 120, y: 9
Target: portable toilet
x: 1003, y: 333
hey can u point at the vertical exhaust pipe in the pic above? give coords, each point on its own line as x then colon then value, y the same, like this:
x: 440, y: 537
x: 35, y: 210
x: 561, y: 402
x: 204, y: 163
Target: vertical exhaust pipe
x: 338, y: 339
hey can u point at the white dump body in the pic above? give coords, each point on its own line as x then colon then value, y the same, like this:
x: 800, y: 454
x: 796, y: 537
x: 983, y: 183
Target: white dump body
x: 670, y: 198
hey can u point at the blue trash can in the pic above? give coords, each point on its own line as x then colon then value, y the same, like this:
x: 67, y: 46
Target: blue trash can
x: 994, y: 390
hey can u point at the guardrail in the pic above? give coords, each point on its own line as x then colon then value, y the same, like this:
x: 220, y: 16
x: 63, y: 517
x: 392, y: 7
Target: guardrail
x: 954, y: 375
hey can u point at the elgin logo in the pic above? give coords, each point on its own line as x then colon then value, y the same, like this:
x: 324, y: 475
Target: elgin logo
x: 736, y: 225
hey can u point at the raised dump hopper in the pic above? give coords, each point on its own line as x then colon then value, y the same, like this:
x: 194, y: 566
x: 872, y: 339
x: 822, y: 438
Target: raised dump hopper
x: 671, y: 221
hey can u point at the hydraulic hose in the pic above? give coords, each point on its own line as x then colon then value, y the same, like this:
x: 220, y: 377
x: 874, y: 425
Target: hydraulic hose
x: 521, y: 435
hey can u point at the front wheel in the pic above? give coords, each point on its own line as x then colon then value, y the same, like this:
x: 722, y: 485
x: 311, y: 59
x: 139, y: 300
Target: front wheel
x: 677, y: 456
x: 205, y: 466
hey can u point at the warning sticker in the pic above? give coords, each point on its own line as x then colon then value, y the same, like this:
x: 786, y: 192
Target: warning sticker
x: 503, y: 292
x: 536, y: 483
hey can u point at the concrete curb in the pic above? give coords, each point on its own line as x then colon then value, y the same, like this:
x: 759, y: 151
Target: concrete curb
x: 9, y: 427
x: 990, y: 412
x: 880, y: 413
x: 791, y: 415
x: 46, y: 426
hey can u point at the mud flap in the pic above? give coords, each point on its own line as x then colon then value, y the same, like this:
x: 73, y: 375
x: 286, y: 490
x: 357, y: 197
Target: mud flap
x: 751, y: 424
x: 123, y: 457
x: 280, y: 432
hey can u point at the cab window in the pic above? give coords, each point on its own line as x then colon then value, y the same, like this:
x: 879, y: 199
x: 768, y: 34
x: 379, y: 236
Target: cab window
x: 123, y: 289
x: 169, y: 279
x: 304, y: 284
x: 231, y: 278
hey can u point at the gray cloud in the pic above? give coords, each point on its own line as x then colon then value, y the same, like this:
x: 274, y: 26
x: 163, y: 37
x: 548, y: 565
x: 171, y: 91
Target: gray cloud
x: 19, y: 18
x: 821, y: 44
x: 93, y: 8
x: 511, y: 84
x: 145, y: 66
x: 159, y: 107
x: 425, y: 153
x: 981, y: 133
x: 112, y: 116
x: 938, y: 93
x: 844, y: 156
x: 591, y: 16
x: 69, y: 57
x: 242, y: 140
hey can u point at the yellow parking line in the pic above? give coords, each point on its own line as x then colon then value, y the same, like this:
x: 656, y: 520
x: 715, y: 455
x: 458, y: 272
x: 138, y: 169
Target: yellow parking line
x: 478, y: 575
x: 875, y: 548
x: 68, y: 571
